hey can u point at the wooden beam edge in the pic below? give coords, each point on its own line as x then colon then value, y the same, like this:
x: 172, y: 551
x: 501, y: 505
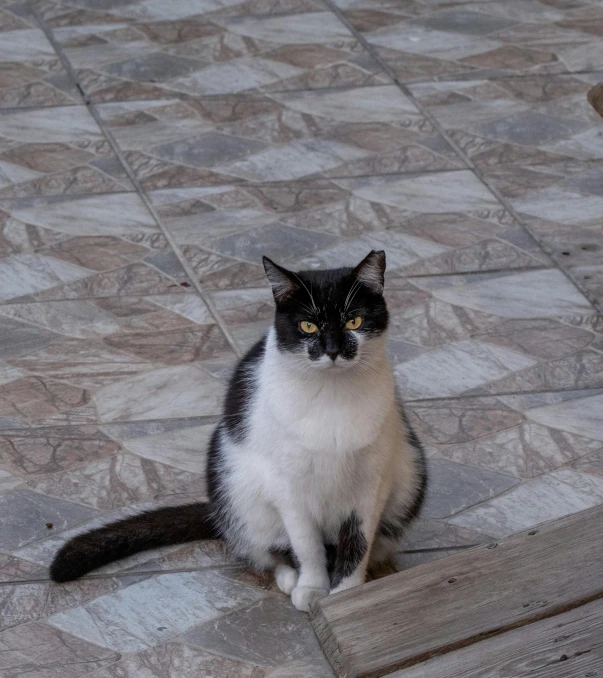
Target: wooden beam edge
x: 328, y: 642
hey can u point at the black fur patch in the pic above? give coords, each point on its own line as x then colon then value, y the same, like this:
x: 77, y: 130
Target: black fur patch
x: 239, y: 392
x: 351, y: 548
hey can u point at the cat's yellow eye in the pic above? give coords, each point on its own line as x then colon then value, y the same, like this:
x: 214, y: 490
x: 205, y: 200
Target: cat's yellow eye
x: 354, y: 324
x: 308, y: 327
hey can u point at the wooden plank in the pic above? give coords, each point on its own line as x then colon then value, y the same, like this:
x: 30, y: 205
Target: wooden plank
x: 569, y: 644
x: 411, y: 616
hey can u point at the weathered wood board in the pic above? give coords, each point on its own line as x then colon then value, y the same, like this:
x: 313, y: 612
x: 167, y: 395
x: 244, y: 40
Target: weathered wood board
x: 568, y: 644
x: 405, y: 619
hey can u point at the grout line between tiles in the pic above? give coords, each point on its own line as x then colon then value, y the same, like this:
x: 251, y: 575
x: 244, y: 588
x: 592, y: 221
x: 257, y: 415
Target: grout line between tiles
x: 139, y: 189
x: 457, y: 149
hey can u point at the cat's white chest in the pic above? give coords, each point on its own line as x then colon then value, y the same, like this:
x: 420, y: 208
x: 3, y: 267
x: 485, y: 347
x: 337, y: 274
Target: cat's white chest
x: 328, y: 413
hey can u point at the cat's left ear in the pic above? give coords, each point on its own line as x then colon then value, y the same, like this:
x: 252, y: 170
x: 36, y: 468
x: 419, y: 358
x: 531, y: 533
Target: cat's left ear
x: 283, y: 281
x: 371, y: 271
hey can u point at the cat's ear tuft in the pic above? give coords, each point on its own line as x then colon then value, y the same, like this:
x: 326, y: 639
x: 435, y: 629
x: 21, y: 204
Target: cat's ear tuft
x: 371, y: 271
x: 283, y: 281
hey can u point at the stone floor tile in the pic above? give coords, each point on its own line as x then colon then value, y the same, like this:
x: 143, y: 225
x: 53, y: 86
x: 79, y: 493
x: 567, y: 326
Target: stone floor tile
x: 24, y: 602
x: 522, y: 436
x: 39, y: 649
x: 57, y: 13
x: 26, y: 515
x: 427, y: 533
x: 286, y: 136
x: 579, y: 415
x: 16, y: 569
x: 182, y: 448
x: 423, y: 40
x: 76, y: 360
x: 178, y: 391
x: 176, y: 660
x: 551, y: 496
x: 223, y: 231
x: 535, y: 120
x: 561, y: 203
x: 76, y: 247
x: 525, y: 451
x: 56, y: 151
x: 154, y: 610
x: 248, y: 635
x: 456, y: 420
x: 122, y: 53
x: 47, y: 453
x: 454, y: 487
x: 31, y: 72
x: 117, y: 481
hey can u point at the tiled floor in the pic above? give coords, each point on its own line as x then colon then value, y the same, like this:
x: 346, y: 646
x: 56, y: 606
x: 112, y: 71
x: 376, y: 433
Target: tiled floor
x: 150, y: 152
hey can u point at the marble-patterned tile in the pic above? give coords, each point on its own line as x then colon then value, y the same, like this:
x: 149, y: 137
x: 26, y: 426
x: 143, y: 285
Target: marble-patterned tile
x: 57, y: 150
x: 523, y: 436
x: 71, y: 247
x: 27, y: 513
x: 38, y: 649
x: 126, y: 57
x: 422, y: 40
x: 581, y: 416
x: 117, y: 481
x: 526, y: 451
x: 183, y: 448
x: 31, y: 73
x: 35, y: 325
x: 454, y: 487
x: 551, y: 496
x: 493, y: 333
x: 109, y: 360
x: 14, y: 569
x: 154, y: 610
x: 25, y: 602
x: 280, y: 136
x: 75, y: 12
x: 534, y: 120
x: 427, y: 533
x: 249, y: 635
x: 42, y: 452
x: 431, y: 223
x: 177, y: 660
x: 562, y: 205
x: 178, y: 391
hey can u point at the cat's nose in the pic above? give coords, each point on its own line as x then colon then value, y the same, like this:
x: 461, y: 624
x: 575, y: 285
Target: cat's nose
x: 332, y: 353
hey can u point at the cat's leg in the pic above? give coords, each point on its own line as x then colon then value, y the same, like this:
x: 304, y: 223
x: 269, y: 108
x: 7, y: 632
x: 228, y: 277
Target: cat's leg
x: 307, y: 543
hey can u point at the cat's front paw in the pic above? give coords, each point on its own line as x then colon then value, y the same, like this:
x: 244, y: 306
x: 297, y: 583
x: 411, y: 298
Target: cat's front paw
x: 303, y: 596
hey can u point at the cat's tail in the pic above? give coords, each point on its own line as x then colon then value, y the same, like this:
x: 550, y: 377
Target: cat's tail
x: 149, y: 530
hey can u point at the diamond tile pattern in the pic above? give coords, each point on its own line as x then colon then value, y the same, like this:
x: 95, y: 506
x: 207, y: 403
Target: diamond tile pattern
x: 146, y: 168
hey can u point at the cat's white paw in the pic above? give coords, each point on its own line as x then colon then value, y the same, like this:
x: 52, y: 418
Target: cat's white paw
x: 286, y: 578
x: 303, y: 596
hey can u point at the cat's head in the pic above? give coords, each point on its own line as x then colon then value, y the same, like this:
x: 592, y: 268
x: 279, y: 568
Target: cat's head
x: 330, y: 317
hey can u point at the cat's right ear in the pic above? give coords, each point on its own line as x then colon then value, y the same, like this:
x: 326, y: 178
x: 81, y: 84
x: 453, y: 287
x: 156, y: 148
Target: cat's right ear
x: 283, y: 282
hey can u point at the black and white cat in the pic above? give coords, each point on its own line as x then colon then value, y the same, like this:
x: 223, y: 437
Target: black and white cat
x: 313, y: 469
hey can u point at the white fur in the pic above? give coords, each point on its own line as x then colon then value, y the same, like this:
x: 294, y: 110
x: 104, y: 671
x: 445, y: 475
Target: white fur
x: 321, y: 441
